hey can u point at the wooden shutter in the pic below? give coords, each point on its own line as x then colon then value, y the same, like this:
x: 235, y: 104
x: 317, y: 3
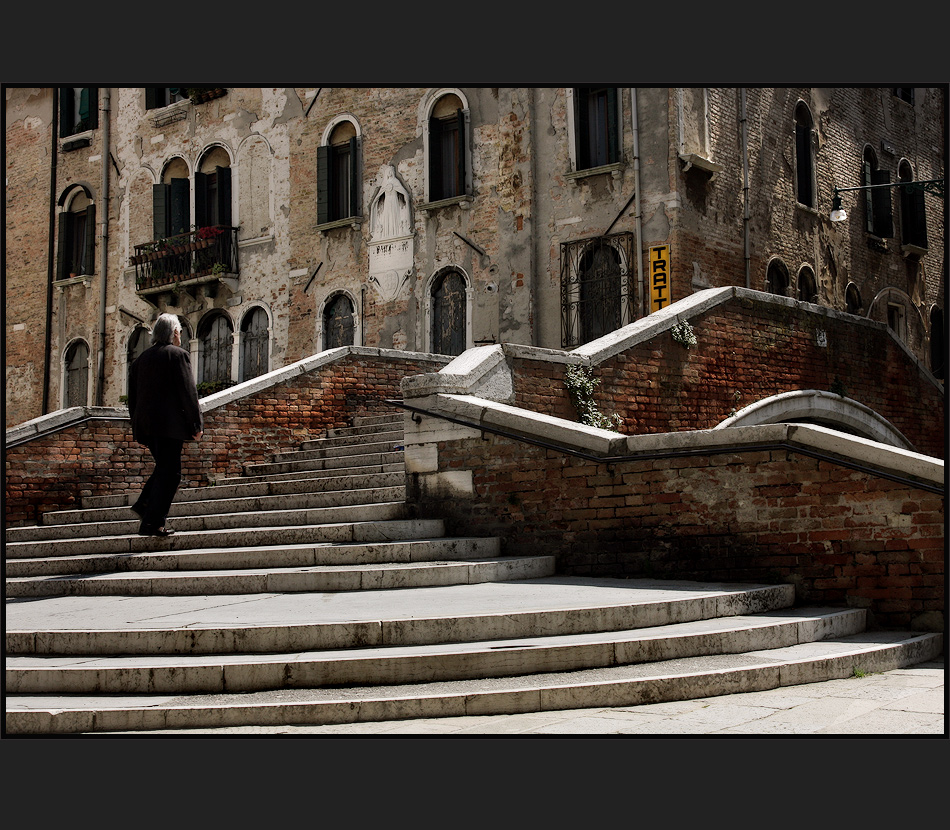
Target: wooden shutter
x: 179, y: 218
x: 161, y: 197
x: 913, y: 217
x: 201, y: 200
x: 89, y: 266
x: 224, y: 195
x: 436, y: 185
x: 582, y: 127
x: 463, y: 185
x: 613, y: 148
x: 883, y: 218
x: 61, y: 257
x: 91, y: 115
x: 354, y: 177
x: 323, y: 185
x: 66, y: 117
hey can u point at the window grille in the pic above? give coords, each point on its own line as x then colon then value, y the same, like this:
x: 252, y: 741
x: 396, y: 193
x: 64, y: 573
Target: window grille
x: 598, y: 293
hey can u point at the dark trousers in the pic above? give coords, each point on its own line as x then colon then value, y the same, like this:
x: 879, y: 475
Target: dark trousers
x: 157, y: 494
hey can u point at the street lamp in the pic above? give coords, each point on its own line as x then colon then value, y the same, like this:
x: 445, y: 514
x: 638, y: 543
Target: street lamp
x: 838, y: 214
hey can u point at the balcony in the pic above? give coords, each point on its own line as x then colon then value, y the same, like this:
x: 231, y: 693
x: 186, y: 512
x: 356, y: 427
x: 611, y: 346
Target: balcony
x: 205, y: 257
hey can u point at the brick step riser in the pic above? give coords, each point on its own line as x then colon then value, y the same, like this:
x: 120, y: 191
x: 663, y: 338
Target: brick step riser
x: 238, y: 503
x: 287, y: 580
x: 236, y: 520
x: 397, y: 632
x: 336, y: 707
x: 360, y: 531
x: 274, y: 556
x: 480, y: 661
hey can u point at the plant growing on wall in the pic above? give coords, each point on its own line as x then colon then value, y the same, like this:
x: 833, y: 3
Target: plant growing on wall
x: 580, y: 383
x: 683, y: 334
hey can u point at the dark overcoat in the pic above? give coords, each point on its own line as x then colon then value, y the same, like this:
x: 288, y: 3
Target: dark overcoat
x: 163, y: 400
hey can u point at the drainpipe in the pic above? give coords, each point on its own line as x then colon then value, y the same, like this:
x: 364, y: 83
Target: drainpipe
x: 103, y: 245
x: 533, y: 277
x: 638, y: 216
x: 51, y: 256
x: 745, y: 188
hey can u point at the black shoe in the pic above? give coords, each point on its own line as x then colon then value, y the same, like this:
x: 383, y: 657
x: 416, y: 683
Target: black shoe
x: 148, y: 530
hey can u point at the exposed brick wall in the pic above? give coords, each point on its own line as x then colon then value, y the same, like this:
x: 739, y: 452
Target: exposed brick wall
x: 841, y: 537
x: 99, y: 457
x: 748, y: 350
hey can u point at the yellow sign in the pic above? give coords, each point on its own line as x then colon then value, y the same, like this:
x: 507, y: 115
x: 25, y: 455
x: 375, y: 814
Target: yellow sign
x: 659, y: 277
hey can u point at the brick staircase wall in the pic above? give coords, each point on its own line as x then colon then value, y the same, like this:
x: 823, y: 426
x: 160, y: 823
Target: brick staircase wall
x: 96, y: 455
x: 841, y: 536
x: 749, y: 348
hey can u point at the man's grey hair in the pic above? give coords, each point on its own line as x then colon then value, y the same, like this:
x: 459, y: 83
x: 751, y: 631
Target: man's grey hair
x: 164, y: 329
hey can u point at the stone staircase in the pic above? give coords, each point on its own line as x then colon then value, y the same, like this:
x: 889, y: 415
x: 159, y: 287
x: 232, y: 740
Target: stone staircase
x: 304, y: 592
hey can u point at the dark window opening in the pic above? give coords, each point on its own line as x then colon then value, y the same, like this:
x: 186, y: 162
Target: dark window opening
x: 214, y: 354
x: 254, y: 344
x: 213, y: 198
x: 880, y: 219
x: 597, y: 122
x: 338, y: 323
x: 77, y: 240
x: 162, y: 96
x: 804, y: 163
x: 853, y: 300
x: 448, y: 314
x: 600, y: 292
x: 905, y: 93
x: 77, y: 375
x: 337, y: 181
x: 78, y: 109
x: 777, y: 278
x: 447, y: 157
x: 807, y: 287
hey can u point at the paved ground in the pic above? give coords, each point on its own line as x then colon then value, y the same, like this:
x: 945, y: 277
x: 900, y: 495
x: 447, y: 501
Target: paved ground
x: 907, y: 701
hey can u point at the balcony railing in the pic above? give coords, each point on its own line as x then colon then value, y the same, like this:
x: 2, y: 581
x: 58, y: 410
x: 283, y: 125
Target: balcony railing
x: 200, y: 256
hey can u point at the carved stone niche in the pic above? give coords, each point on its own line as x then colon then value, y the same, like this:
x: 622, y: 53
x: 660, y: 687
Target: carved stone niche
x: 391, y: 247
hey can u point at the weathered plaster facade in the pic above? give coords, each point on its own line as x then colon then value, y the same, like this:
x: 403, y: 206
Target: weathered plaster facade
x: 712, y: 173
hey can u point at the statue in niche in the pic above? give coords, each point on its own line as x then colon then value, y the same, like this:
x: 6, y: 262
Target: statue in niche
x: 389, y: 216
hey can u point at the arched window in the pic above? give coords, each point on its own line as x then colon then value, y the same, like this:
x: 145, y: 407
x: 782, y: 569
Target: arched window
x: 255, y: 338
x: 448, y: 149
x: 338, y: 174
x: 449, y: 335
x: 213, y: 189
x: 804, y: 158
x: 171, y: 201
x: 76, y: 254
x: 852, y: 299
x: 338, y: 318
x: 777, y: 278
x: 76, y: 365
x: 214, y: 350
x: 938, y: 343
x: 807, y: 286
x: 600, y: 274
x: 913, y: 217
x: 138, y: 342
x: 880, y: 220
